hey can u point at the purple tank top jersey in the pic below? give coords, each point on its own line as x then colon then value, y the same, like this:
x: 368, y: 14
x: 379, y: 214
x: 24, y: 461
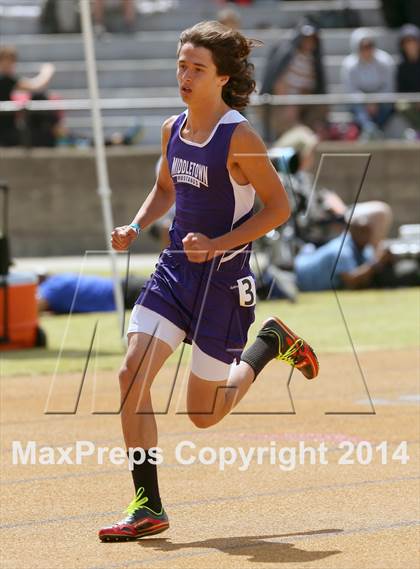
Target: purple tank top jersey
x: 208, y: 199
x: 212, y: 302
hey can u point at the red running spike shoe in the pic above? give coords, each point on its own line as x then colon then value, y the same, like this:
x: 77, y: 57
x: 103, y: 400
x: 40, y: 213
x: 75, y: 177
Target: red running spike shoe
x: 292, y: 349
x: 141, y: 521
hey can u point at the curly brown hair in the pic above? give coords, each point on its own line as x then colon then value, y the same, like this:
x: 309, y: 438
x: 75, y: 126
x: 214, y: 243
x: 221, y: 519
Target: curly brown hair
x: 230, y: 51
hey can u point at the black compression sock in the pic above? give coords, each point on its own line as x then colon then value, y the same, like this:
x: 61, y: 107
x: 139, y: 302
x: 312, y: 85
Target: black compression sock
x: 263, y: 350
x: 145, y: 475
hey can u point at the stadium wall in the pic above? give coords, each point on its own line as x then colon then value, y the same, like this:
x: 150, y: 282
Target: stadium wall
x: 55, y: 208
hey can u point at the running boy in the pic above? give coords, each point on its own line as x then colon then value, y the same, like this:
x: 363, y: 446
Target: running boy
x: 202, y: 291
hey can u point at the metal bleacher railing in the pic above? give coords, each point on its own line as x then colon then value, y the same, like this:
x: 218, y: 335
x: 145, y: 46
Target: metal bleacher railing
x: 265, y: 103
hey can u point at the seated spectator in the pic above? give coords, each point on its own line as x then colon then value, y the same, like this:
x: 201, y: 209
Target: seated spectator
x: 296, y: 69
x: 408, y: 72
x: 59, y: 16
x: 9, y: 82
x: 368, y: 70
x: 129, y: 14
x: 43, y: 127
x: 68, y: 292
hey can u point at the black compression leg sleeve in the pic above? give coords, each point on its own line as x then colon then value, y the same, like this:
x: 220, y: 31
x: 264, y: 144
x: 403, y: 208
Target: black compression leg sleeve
x: 264, y: 349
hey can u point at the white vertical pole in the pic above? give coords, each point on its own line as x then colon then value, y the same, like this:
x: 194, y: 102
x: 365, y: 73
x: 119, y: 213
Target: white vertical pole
x: 104, y: 189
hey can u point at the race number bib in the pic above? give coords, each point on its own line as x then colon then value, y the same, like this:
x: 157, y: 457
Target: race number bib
x: 247, y: 294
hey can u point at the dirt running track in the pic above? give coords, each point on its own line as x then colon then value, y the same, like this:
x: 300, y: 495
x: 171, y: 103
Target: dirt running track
x: 314, y: 516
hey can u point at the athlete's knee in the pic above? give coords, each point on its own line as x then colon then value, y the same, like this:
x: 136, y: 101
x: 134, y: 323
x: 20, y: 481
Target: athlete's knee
x: 124, y: 375
x: 202, y: 420
x: 129, y: 375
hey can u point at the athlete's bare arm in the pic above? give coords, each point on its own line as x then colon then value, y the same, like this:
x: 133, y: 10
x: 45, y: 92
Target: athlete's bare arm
x: 162, y: 196
x: 157, y: 203
x: 248, y: 162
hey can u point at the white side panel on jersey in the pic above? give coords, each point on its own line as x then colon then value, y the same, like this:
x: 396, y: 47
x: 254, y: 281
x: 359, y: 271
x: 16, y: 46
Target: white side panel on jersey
x: 244, y: 197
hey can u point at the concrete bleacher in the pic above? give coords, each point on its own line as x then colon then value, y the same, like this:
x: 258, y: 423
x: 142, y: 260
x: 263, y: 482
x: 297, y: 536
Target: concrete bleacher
x: 145, y: 45
x: 137, y: 74
x: 143, y: 64
x: 22, y: 16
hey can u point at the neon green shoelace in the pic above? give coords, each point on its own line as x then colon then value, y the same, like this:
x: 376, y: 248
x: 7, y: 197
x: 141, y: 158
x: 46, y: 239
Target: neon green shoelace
x: 138, y: 502
x: 289, y: 355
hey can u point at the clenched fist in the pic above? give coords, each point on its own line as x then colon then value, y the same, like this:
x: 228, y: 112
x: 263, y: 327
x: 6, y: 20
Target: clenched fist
x: 198, y: 247
x: 122, y: 237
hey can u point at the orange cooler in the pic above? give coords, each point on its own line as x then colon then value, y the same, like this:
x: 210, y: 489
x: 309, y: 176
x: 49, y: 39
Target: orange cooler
x: 22, y: 312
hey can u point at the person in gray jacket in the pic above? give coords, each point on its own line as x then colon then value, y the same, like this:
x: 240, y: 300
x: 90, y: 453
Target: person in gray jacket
x: 368, y: 70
